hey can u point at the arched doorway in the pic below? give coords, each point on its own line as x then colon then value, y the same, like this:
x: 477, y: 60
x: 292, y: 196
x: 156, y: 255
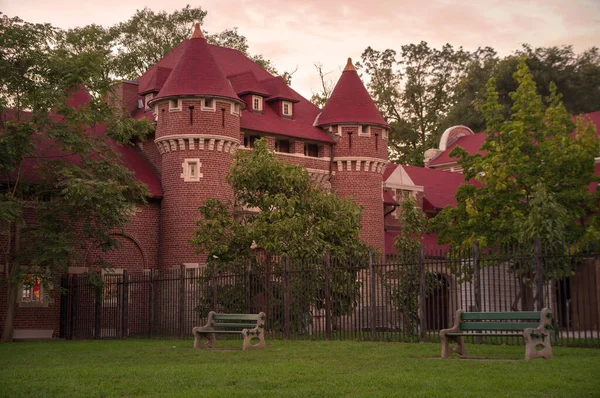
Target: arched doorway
x: 437, y: 301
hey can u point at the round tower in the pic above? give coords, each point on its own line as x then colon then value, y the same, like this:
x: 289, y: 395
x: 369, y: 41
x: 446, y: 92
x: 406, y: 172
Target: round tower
x: 197, y: 130
x: 361, y: 153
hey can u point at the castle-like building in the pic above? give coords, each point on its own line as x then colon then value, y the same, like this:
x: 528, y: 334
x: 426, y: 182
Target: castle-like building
x: 208, y: 102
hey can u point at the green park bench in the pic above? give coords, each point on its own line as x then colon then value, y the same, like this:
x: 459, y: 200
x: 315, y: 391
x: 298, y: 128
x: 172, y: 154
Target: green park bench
x: 251, y: 326
x: 534, y: 326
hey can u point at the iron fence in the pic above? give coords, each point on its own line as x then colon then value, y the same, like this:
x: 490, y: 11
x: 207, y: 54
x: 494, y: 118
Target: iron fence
x: 407, y: 298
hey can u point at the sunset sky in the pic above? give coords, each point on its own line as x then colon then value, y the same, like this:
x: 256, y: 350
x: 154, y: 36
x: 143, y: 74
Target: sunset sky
x: 296, y: 34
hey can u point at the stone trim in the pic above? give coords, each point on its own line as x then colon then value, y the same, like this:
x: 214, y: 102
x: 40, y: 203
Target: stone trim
x: 177, y: 108
x: 188, y: 165
x: 361, y: 131
x: 352, y: 163
x: 210, y: 142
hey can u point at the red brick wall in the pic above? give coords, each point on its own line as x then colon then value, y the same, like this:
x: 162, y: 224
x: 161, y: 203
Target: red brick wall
x: 179, y: 209
x: 152, y: 154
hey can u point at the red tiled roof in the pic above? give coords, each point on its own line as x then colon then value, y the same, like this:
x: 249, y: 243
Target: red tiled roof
x: 429, y: 242
x: 470, y: 143
x: 439, y: 186
x: 350, y: 102
x: 197, y: 73
x: 278, y: 89
x: 153, y: 80
x: 246, y: 82
x: 233, y: 63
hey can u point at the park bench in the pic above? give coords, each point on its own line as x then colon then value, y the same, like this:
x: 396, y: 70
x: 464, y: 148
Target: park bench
x: 251, y: 326
x: 534, y: 326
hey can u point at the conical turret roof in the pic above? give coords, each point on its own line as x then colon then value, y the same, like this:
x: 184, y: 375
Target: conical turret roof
x: 197, y: 73
x: 350, y: 102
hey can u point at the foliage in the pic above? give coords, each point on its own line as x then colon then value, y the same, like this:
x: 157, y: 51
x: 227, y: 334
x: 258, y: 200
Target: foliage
x: 405, y: 284
x: 534, y: 175
x: 576, y: 76
x: 63, y: 185
x: 413, y: 92
x: 280, y: 213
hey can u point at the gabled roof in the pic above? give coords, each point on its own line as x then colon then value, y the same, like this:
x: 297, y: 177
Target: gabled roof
x: 154, y: 80
x: 350, y: 102
x: 247, y: 83
x: 439, y: 186
x: 278, y: 89
x: 197, y: 73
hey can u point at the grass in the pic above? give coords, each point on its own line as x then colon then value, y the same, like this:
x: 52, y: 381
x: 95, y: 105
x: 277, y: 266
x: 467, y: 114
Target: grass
x: 289, y: 369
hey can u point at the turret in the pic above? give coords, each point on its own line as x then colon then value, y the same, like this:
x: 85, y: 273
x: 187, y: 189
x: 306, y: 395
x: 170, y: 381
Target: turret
x: 361, y: 152
x: 198, y: 127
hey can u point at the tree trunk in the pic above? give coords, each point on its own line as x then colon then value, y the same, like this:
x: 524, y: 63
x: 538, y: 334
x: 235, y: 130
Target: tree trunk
x: 526, y: 297
x: 13, y: 288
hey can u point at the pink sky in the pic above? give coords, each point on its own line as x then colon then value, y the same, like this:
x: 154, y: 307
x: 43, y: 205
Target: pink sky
x: 296, y: 34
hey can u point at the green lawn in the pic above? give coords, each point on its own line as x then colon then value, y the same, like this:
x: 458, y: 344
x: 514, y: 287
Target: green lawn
x: 288, y: 369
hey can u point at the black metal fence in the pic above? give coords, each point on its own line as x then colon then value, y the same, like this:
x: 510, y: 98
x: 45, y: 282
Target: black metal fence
x: 381, y: 299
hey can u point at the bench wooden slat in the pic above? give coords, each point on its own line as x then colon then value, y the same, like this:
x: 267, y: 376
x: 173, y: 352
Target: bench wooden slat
x: 498, y: 325
x: 221, y: 331
x: 233, y: 317
x: 234, y: 325
x: 501, y: 316
x: 486, y: 334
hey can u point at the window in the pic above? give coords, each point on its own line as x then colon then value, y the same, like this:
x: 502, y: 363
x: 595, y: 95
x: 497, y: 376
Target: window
x: 257, y: 103
x: 286, y: 108
x: 235, y: 109
x: 31, y: 289
x: 174, y: 105
x: 249, y: 140
x: 311, y: 150
x: 148, y: 98
x: 191, y: 170
x: 282, y: 146
x: 385, y: 134
x: 364, y: 131
x: 208, y: 104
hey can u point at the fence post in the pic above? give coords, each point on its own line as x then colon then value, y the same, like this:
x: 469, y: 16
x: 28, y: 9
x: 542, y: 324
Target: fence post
x: 286, y: 299
x: 477, y: 283
x: 151, y: 303
x: 181, y: 301
x: 98, y: 312
x: 125, y: 305
x: 327, y: 299
x: 372, y: 298
x: 214, y: 286
x: 73, y: 302
x: 64, y: 287
x: 422, y: 320
x: 539, y: 274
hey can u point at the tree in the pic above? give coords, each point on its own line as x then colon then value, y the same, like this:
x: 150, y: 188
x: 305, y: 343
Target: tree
x: 133, y: 46
x: 532, y: 153
x: 63, y: 188
x: 577, y: 78
x: 414, y: 94
x: 535, y: 177
x: 280, y: 212
x: 327, y: 86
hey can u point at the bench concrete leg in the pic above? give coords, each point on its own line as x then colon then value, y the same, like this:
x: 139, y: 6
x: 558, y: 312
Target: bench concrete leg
x: 198, y: 337
x: 447, y: 350
x: 251, y: 334
x: 535, y: 338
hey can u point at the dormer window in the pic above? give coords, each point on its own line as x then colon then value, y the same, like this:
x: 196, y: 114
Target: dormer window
x: 208, y: 104
x: 174, y: 105
x: 286, y: 108
x: 257, y: 103
x: 147, y: 99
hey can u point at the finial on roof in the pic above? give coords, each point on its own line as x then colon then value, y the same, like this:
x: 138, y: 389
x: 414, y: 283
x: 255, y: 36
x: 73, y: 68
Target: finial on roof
x: 349, y: 66
x: 197, y: 32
